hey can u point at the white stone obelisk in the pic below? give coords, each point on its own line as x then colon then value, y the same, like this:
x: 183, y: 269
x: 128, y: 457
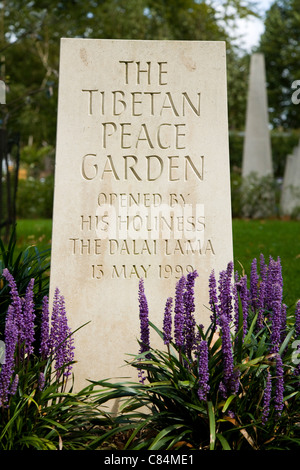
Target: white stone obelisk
x: 290, y: 193
x: 257, y: 156
x: 2, y: 92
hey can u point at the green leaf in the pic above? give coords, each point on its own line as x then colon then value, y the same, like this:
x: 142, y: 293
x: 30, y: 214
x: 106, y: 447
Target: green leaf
x: 253, y: 362
x: 227, y: 403
x: 240, y: 331
x: 160, y: 439
x: 251, y: 329
x: 186, y: 383
x: 286, y: 341
x: 212, y: 425
x: 223, y: 441
x: 137, y: 429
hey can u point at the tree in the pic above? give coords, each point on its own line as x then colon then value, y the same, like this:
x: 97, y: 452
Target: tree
x: 31, y: 31
x: 281, y: 47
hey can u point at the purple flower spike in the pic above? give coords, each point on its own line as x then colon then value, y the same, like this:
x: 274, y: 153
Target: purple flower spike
x: 261, y: 305
x: 254, y: 279
x: 213, y: 297
x: 179, y: 313
x: 67, y: 344
x: 203, y: 371
x: 17, y: 305
x: 225, y: 291
x: 189, y: 293
x: 167, y: 326
x: 16, y: 301
x: 7, y: 370
x: 244, y: 296
x: 276, y: 322
x: 44, y: 345
x: 61, y: 342
x: 263, y: 268
x: 29, y: 317
x: 267, y: 399
x: 144, y: 320
x: 283, y: 322
x: 297, y: 319
x: 189, y: 305
x: 279, y: 390
x: 229, y: 270
x: 14, y: 385
x: 41, y: 381
x: 274, y: 283
x: 24, y: 315
x: 230, y: 383
x: 54, y: 334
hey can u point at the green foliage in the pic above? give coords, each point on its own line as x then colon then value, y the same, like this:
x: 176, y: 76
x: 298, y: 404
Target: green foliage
x: 296, y: 213
x: 258, y: 196
x: 36, y: 410
x: 165, y: 411
x: 236, y: 143
x: 254, y: 197
x: 34, y: 232
x: 280, y: 45
x: 282, y: 144
x: 236, y: 200
x: 179, y: 420
x: 274, y: 238
x: 33, y: 158
x: 237, y: 85
x: 49, y: 418
x: 35, y: 198
x: 32, y: 34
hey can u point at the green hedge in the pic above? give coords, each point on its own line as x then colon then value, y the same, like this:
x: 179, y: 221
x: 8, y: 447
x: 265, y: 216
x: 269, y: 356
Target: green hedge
x: 282, y: 144
x: 35, y: 198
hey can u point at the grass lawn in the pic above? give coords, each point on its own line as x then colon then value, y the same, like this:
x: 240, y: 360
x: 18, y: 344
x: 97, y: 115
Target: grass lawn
x: 271, y: 238
x: 250, y: 239
x: 34, y: 232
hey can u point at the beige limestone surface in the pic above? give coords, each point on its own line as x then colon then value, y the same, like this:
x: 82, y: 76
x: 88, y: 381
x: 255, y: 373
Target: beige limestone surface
x: 142, y: 188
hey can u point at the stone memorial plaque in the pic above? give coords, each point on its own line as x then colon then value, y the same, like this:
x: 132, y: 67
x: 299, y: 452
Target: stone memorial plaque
x: 142, y: 187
